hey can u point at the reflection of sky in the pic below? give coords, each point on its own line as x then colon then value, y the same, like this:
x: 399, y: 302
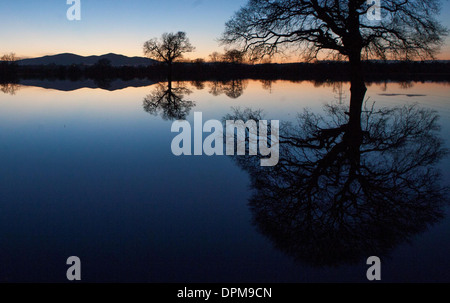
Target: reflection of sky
x: 90, y: 173
x: 37, y: 28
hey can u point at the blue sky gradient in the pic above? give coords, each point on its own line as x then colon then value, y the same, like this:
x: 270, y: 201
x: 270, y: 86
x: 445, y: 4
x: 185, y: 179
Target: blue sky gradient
x: 37, y: 28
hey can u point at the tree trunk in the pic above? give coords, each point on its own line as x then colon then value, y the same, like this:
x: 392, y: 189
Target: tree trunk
x: 353, y: 42
x: 169, y: 85
x: 354, y: 135
x: 358, y: 90
x: 169, y: 72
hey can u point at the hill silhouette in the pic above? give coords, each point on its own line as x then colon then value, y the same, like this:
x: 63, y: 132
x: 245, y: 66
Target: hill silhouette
x: 68, y: 59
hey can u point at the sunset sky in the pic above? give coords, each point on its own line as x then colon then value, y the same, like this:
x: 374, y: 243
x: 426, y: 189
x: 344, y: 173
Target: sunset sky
x: 37, y: 28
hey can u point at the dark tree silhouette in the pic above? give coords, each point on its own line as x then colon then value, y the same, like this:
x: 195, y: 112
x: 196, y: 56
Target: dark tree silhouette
x: 169, y: 48
x: 8, y: 68
x: 341, y: 193
x: 9, y: 58
x: 407, y: 29
x: 233, y: 56
x: 168, y: 101
x: 215, y: 57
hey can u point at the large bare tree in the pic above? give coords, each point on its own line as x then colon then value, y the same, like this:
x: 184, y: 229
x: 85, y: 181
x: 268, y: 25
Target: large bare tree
x: 405, y: 29
x: 170, y: 47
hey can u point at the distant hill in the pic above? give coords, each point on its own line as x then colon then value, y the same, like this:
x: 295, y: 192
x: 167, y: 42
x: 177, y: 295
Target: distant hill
x: 69, y: 59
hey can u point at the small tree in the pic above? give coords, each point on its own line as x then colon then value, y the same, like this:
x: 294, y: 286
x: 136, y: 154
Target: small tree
x: 234, y: 56
x: 169, y: 48
x: 9, y: 58
x: 198, y: 61
x: 215, y: 57
x: 8, y: 67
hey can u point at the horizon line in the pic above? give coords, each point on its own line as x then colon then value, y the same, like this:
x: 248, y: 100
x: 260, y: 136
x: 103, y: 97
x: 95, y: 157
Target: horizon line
x: 188, y: 60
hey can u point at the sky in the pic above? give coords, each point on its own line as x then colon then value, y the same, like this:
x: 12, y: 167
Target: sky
x: 33, y: 28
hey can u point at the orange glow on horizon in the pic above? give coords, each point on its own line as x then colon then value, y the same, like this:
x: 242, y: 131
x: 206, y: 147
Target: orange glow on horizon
x: 188, y: 57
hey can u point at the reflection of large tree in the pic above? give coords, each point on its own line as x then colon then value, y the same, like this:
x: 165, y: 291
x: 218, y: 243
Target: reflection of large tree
x: 169, y: 102
x: 344, y: 190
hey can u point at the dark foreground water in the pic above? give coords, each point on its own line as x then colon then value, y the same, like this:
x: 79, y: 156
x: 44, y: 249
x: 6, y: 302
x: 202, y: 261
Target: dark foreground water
x: 90, y: 173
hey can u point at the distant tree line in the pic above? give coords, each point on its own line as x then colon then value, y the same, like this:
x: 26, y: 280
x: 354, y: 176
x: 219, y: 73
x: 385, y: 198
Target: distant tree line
x: 198, y: 70
x: 233, y: 64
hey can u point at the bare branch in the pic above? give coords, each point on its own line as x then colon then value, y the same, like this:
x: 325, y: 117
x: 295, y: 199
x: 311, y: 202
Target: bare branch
x: 408, y: 28
x: 169, y: 47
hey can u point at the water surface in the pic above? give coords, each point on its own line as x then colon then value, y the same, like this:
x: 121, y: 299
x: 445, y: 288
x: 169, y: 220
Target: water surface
x: 90, y: 173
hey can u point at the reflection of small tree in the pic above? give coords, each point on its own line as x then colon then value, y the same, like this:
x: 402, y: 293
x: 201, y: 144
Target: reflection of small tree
x: 10, y: 88
x: 168, y: 102
x: 215, y: 88
x: 267, y: 85
x: 406, y: 84
x: 339, y: 91
x: 232, y: 88
x: 342, y: 192
x: 200, y: 85
x: 169, y: 48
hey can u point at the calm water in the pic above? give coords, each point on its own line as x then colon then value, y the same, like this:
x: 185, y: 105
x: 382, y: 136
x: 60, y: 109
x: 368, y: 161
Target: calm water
x: 90, y: 173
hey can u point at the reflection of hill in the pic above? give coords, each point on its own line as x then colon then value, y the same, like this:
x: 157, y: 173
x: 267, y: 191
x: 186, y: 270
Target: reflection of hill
x: 67, y: 85
x: 233, y: 88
